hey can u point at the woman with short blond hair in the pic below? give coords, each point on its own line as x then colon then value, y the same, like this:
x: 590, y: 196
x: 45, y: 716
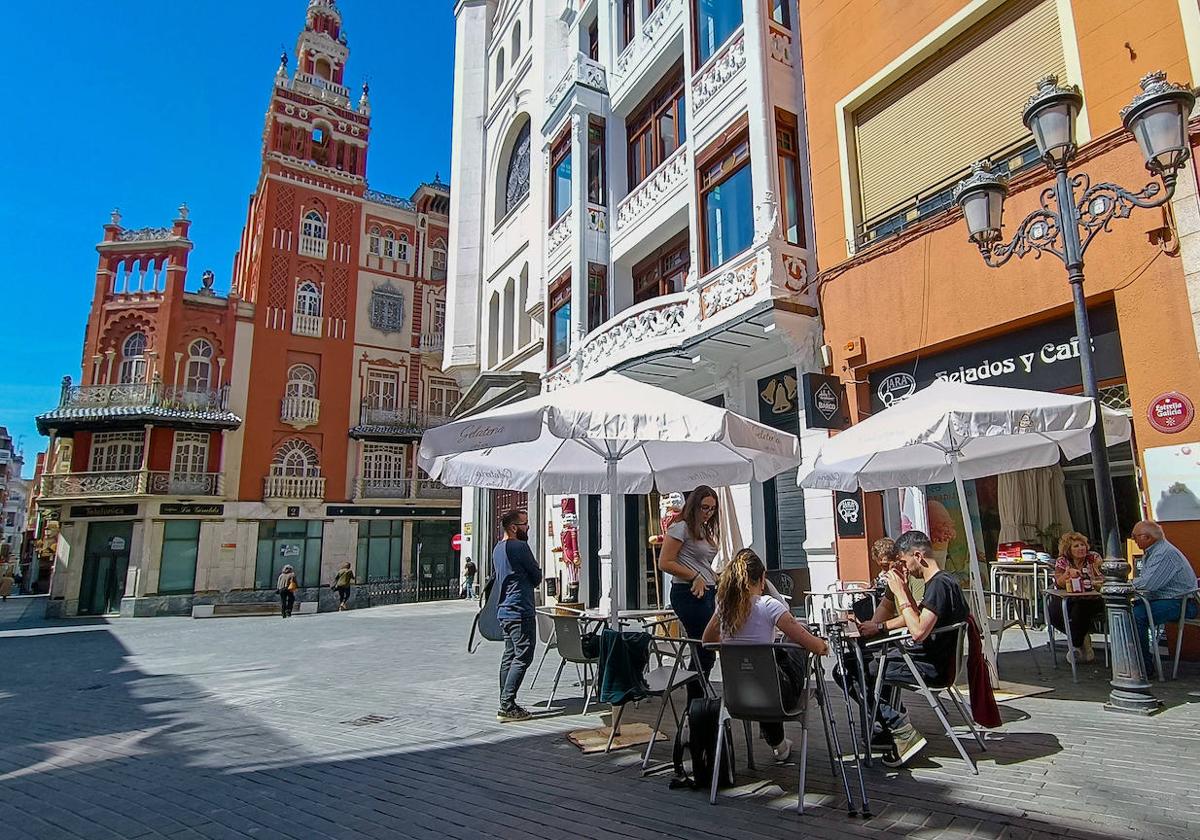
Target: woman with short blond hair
x: 1077, y: 570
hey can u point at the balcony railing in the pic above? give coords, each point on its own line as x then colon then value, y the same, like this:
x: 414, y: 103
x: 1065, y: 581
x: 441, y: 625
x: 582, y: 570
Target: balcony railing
x: 321, y: 85
x: 402, y: 420
x: 1012, y: 160
x: 404, y: 488
x: 306, y: 325
x: 312, y: 246
x: 432, y: 342
x: 300, y: 411
x: 87, y: 485
x: 139, y: 394
x: 294, y: 487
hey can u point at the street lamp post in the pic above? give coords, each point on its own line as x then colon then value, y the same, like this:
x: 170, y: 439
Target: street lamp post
x: 1070, y: 215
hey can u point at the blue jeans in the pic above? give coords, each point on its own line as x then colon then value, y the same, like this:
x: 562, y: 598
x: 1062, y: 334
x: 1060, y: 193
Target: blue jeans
x: 519, y: 635
x: 1165, y: 611
x: 694, y: 614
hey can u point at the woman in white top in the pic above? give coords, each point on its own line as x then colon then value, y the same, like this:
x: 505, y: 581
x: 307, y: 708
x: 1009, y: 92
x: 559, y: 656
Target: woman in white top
x: 688, y: 549
x: 746, y: 615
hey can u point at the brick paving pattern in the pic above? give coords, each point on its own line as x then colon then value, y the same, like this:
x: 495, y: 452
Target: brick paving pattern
x: 375, y: 723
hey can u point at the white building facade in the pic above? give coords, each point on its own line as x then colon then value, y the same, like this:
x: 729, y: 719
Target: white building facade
x: 629, y: 194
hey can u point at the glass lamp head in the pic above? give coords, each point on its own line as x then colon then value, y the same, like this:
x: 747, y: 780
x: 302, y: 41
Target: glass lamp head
x: 1050, y: 116
x: 1157, y: 118
x: 981, y: 196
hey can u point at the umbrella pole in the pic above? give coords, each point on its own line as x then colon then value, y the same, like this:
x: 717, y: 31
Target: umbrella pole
x: 616, y: 571
x: 980, y: 606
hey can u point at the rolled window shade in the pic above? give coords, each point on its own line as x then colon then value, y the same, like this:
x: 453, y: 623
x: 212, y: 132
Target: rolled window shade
x: 962, y: 104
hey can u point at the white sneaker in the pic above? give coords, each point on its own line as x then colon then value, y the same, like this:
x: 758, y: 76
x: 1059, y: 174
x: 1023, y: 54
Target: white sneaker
x: 782, y: 750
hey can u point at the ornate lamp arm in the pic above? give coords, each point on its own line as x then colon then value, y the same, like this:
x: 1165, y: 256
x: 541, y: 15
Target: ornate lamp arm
x: 1104, y: 202
x: 1038, y: 232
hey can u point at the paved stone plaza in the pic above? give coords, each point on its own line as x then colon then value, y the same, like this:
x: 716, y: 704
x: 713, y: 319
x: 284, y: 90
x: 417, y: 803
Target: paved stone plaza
x: 172, y: 727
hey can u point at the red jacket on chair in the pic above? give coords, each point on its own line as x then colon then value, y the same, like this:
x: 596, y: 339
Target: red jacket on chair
x: 979, y: 681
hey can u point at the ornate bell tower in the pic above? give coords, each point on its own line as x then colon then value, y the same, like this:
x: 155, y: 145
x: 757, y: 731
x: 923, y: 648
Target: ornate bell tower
x: 296, y: 267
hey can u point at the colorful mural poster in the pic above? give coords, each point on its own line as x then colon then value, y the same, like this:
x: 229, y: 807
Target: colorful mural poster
x: 1173, y: 481
x: 946, y: 528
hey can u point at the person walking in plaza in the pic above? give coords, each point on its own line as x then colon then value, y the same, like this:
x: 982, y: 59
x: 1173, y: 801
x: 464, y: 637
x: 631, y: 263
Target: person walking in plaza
x: 517, y: 573
x: 286, y: 586
x: 942, y: 605
x: 342, y: 581
x: 469, y: 572
x: 1077, y: 570
x: 688, y: 549
x: 1166, y: 577
x: 6, y: 580
x: 747, y: 615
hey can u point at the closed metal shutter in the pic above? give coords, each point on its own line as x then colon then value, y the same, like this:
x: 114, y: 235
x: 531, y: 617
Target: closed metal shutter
x: 961, y: 105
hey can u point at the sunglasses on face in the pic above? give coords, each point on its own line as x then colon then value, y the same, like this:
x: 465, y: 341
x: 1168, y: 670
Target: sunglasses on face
x: 708, y: 508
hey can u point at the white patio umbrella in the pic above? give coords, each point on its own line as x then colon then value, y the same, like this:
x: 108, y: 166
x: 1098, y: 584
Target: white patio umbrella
x: 951, y: 431
x: 611, y: 435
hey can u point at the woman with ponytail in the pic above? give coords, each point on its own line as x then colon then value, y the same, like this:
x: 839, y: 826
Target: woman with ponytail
x: 746, y: 615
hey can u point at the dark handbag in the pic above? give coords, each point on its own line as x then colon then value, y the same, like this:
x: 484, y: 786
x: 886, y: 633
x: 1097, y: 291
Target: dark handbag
x: 589, y: 643
x: 486, y: 623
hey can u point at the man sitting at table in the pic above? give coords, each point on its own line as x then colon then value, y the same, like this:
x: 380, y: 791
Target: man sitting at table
x: 942, y: 605
x: 1166, y: 577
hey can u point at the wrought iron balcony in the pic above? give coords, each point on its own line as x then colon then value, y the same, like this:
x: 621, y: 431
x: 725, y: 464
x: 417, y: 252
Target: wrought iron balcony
x: 404, y: 488
x: 100, y: 485
x: 97, y: 406
x: 294, y: 487
x: 387, y: 423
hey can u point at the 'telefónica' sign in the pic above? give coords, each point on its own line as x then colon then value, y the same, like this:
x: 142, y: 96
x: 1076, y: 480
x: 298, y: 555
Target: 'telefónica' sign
x: 1044, y: 357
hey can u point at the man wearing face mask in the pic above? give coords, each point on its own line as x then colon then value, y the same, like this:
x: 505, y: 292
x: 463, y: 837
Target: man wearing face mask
x: 517, y: 573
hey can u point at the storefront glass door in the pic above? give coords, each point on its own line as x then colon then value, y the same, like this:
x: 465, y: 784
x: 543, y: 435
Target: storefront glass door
x: 105, y: 564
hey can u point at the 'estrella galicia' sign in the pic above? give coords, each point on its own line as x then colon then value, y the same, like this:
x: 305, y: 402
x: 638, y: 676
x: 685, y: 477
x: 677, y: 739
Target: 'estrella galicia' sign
x: 824, y: 402
x: 848, y: 510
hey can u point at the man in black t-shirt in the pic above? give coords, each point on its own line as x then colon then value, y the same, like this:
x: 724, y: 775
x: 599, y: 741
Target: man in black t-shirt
x: 935, y: 657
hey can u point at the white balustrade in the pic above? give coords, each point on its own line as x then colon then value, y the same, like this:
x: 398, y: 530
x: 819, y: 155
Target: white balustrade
x: 294, y: 487
x: 300, y: 411
x: 670, y: 175
x: 306, y: 325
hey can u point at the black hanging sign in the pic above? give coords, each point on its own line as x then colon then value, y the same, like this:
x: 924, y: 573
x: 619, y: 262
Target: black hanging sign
x: 824, y: 402
x: 849, y: 514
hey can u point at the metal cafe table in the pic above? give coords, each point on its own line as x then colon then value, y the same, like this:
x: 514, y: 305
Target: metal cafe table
x: 1026, y: 578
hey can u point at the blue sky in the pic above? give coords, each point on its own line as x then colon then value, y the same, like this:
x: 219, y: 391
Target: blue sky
x: 143, y: 105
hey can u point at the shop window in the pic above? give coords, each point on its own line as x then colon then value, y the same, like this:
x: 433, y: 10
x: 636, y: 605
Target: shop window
x: 289, y: 542
x: 560, y: 180
x: 177, y: 565
x: 559, y: 345
x: 664, y: 271
x: 726, y: 203
x: 792, y: 205
x: 380, y: 550
x: 597, y: 311
x: 596, y: 162
x: 716, y: 21
x: 656, y: 128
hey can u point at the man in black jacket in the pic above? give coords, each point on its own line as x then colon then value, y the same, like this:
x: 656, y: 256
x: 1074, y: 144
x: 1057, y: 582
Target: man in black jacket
x: 517, y: 573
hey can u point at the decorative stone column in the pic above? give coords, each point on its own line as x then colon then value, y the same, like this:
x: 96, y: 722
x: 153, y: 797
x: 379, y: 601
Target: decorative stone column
x: 1130, y: 689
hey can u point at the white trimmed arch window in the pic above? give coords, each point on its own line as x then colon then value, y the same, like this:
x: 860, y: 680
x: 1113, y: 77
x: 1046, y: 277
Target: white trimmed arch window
x: 402, y: 252
x: 301, y: 382
x: 313, y: 235
x: 296, y: 459
x: 308, y: 309
x: 389, y: 244
x: 374, y: 245
x: 198, y: 378
x: 439, y: 259
x: 133, y: 359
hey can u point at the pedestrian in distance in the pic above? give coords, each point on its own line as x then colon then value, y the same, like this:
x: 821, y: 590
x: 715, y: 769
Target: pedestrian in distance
x: 469, y: 572
x: 6, y: 580
x: 517, y: 573
x: 342, y: 581
x: 286, y: 586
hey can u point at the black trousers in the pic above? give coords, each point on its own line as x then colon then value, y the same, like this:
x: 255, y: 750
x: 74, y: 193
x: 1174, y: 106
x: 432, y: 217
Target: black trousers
x: 519, y: 637
x: 343, y: 594
x: 1081, y: 615
x: 287, y: 600
x: 694, y: 614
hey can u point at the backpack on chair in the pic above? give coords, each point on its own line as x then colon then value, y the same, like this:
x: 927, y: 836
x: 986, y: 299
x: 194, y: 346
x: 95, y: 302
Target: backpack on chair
x: 696, y: 743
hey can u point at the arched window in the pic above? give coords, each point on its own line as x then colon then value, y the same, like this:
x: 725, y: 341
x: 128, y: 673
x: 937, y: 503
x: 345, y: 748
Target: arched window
x: 402, y: 249
x: 494, y: 330
x: 133, y: 359
x: 324, y: 71
x: 199, y: 367
x: 374, y: 241
x: 313, y: 225
x: 389, y: 245
x: 296, y: 458
x: 308, y: 299
x: 302, y: 382
x: 516, y: 183
x: 439, y: 259
x: 516, y: 41
x: 499, y: 68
